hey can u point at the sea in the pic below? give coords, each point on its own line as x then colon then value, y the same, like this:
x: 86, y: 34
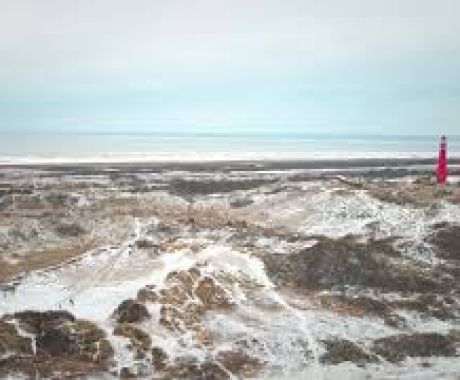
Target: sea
x: 17, y: 148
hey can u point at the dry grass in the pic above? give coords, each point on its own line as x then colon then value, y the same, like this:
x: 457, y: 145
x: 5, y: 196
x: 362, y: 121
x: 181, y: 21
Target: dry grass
x: 45, y: 258
x: 7, y: 271
x: 48, y: 367
x: 4, y: 220
x: 455, y: 196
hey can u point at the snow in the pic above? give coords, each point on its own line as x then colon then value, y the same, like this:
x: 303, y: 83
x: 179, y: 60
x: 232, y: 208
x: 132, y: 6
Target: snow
x: 93, y: 287
x: 207, y: 157
x: 328, y: 212
x: 286, y: 337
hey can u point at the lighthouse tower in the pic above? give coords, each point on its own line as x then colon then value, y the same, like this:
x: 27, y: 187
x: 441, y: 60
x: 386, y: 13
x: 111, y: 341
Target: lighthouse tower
x: 441, y: 169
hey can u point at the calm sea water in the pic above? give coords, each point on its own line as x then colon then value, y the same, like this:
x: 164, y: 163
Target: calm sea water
x: 147, y: 146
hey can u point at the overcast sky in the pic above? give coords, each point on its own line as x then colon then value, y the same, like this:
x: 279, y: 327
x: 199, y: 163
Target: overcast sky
x: 338, y: 66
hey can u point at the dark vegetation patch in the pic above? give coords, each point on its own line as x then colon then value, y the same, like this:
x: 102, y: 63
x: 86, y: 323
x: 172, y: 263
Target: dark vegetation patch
x: 12, y: 342
x: 454, y: 334
x: 81, y: 339
x: 446, y: 240
x: 130, y: 311
x: 442, y: 307
x: 63, y: 345
x: 61, y: 199
x: 239, y: 362
x: 205, y: 187
x: 341, y: 350
x: 361, y: 306
x: 35, y: 322
x: 159, y: 358
x: 49, y: 368
x: 146, y: 244
x: 12, y: 190
x: 398, y: 347
x: 138, y: 338
x: 241, y: 202
x: 70, y: 230
x: 6, y: 202
x: 211, y: 294
x: 277, y: 189
x: 335, y: 263
x: 191, y: 369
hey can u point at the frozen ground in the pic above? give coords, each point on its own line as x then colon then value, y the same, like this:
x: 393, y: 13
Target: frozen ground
x: 228, y: 272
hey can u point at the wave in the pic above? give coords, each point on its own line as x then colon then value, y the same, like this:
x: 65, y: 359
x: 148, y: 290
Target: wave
x: 206, y: 157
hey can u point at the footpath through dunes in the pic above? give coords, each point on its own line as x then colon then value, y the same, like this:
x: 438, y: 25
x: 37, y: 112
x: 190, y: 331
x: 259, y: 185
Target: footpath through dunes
x: 228, y: 273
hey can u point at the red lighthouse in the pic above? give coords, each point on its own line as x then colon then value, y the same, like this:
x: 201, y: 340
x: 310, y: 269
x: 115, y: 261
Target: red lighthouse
x: 441, y: 170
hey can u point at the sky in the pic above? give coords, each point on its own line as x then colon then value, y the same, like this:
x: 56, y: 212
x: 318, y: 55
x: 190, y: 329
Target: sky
x: 230, y: 66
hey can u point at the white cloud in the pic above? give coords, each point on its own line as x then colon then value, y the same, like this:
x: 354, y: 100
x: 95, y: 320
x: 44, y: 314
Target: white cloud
x: 71, y: 50
x: 71, y: 40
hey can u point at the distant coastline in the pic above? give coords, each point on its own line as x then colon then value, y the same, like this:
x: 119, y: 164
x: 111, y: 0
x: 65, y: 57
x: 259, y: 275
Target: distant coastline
x: 135, y: 148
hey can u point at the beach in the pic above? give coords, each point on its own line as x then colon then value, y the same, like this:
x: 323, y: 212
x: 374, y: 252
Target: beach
x: 141, y: 149
x: 230, y: 269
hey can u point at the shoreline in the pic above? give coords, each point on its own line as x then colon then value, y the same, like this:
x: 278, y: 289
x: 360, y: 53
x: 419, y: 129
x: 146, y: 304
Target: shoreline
x: 219, y: 158
x: 394, y: 167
